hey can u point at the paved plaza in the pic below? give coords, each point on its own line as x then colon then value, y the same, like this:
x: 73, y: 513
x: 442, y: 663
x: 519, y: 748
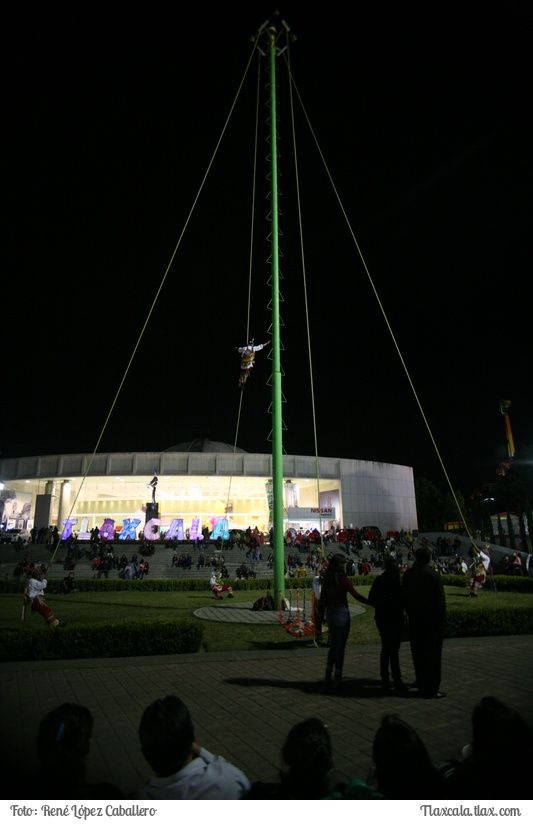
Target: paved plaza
x: 244, y: 703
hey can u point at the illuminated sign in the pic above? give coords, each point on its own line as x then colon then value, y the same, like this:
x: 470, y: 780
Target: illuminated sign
x: 107, y: 530
x: 151, y: 530
x: 220, y: 529
x: 194, y: 532
x: 129, y: 530
x: 67, y: 523
x: 175, y: 530
x: 310, y: 513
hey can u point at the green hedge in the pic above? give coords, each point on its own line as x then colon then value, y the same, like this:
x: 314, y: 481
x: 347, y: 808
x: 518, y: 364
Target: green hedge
x: 485, y: 620
x: 119, y: 640
x: 504, y: 583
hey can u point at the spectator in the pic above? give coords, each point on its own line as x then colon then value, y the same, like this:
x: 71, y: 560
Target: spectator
x: 306, y: 766
x: 425, y: 605
x: 386, y: 596
x: 517, y: 564
x: 67, y: 585
x: 19, y: 571
x: 105, y: 567
x: 301, y: 572
x: 501, y: 740
x: 505, y: 566
x: 63, y: 743
x: 144, y: 568
x: 70, y: 563
x: 403, y: 768
x: 317, y: 589
x: 183, y: 769
x: 334, y: 605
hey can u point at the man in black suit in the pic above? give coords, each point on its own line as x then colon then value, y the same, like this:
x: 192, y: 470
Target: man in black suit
x: 425, y: 605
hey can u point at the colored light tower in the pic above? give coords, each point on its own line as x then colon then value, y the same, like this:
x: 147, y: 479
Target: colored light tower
x: 504, y: 409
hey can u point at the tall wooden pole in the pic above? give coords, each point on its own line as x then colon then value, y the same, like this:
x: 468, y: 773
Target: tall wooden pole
x: 277, y: 422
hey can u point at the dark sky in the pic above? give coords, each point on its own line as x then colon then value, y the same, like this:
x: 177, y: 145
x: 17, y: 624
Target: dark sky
x: 421, y: 112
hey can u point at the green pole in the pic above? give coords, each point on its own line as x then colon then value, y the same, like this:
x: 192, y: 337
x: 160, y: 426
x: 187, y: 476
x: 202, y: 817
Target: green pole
x: 277, y: 425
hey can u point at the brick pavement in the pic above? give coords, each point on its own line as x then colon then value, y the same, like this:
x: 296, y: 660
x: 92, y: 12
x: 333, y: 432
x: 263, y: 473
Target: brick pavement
x: 243, y: 703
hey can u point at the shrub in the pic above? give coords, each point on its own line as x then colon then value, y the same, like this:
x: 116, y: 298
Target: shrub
x: 120, y: 640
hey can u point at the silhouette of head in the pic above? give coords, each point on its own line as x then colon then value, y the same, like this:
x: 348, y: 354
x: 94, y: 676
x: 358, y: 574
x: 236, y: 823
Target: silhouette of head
x: 423, y: 555
x: 403, y: 767
x: 307, y: 759
x: 499, y: 734
x: 166, y: 734
x: 63, y: 740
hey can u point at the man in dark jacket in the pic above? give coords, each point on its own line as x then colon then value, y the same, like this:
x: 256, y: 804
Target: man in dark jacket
x: 425, y: 605
x: 386, y: 597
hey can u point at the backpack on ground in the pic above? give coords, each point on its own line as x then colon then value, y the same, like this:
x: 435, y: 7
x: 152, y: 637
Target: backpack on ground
x: 266, y: 602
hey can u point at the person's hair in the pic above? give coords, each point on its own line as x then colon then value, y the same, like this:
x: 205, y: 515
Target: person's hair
x: 63, y: 741
x: 499, y: 732
x: 335, y: 571
x: 391, y: 567
x: 423, y: 555
x: 336, y: 568
x: 307, y: 760
x: 403, y: 767
x: 166, y: 734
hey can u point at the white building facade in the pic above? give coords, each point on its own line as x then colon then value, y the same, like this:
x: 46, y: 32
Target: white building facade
x: 200, y: 483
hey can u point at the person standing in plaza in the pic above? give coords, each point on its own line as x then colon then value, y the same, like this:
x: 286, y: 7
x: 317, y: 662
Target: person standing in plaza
x: 317, y: 589
x: 517, y: 564
x: 386, y: 596
x: 425, y: 604
x: 334, y: 606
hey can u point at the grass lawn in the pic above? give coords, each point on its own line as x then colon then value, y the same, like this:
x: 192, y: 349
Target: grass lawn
x: 109, y: 608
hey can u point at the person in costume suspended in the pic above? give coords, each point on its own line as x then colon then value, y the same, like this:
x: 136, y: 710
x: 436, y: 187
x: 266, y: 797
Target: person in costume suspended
x: 247, y: 354
x: 34, y: 596
x: 481, y: 567
x: 218, y: 587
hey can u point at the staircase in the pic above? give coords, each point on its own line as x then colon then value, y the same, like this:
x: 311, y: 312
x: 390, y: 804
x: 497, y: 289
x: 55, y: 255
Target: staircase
x: 160, y: 562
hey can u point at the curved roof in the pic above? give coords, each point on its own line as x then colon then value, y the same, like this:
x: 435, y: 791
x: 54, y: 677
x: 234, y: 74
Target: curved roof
x: 203, y: 445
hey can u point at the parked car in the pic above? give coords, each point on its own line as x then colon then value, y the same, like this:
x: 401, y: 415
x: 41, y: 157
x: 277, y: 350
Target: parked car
x: 11, y: 536
x: 344, y: 535
x: 372, y: 529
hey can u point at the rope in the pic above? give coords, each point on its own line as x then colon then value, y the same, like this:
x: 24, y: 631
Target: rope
x: 250, y: 267
x: 308, y: 327
x: 158, y: 293
x: 381, y: 307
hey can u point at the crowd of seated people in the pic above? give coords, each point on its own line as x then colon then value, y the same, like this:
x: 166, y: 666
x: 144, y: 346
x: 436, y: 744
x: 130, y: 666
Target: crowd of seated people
x: 401, y: 768
x: 183, y: 561
x: 244, y: 572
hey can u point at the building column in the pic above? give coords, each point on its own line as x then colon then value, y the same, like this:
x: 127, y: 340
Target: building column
x: 64, y: 504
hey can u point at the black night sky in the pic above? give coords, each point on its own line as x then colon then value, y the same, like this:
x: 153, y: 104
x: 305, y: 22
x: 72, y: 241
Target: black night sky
x: 421, y: 113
